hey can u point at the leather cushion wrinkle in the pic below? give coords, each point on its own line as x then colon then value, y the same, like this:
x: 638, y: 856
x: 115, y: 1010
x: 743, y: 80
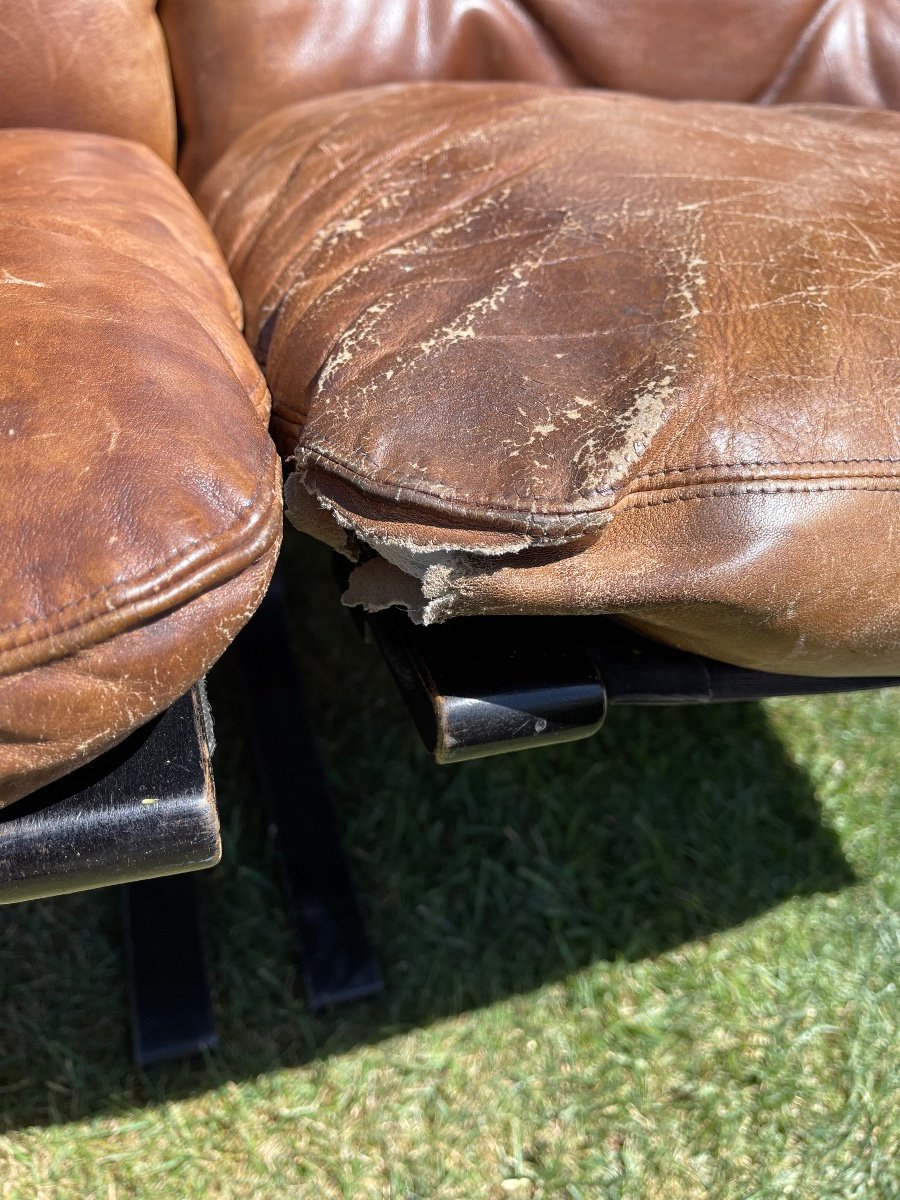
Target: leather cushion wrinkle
x: 137, y: 477
x: 235, y: 64
x: 521, y: 312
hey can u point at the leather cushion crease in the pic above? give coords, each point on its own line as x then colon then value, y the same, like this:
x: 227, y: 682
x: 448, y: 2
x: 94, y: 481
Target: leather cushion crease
x: 558, y: 351
x: 234, y: 64
x: 139, y: 491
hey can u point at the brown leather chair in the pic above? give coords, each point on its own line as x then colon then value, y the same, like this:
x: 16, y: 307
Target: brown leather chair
x: 570, y: 309
x: 575, y: 306
x: 567, y: 307
x: 140, y: 497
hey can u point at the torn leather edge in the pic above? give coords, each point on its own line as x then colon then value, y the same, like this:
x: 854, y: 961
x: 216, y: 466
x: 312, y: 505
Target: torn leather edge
x: 425, y: 575
x: 442, y: 565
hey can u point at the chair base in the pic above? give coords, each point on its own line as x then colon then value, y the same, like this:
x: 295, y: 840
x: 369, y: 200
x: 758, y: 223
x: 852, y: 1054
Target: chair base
x: 336, y: 957
x: 487, y: 685
x: 144, y: 809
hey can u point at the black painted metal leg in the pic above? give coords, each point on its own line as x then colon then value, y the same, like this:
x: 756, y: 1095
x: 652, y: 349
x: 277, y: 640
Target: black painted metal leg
x: 171, y: 1006
x: 337, y: 960
x: 144, y: 809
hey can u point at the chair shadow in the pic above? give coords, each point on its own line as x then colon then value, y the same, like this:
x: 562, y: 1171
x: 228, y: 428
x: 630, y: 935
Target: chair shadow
x: 481, y: 881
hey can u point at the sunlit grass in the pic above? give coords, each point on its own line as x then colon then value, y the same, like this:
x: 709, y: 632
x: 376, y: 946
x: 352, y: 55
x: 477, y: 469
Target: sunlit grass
x: 662, y: 963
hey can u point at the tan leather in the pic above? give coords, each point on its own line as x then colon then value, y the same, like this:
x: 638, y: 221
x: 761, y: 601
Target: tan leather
x: 139, y: 493
x: 235, y: 63
x: 559, y: 351
x: 755, y: 51
x: 98, y: 65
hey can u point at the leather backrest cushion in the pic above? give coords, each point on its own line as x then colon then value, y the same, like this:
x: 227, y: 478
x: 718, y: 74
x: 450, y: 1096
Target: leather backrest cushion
x: 95, y: 65
x: 237, y: 62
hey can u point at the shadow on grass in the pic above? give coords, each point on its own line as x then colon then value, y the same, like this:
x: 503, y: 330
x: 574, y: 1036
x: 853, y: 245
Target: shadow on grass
x: 481, y: 881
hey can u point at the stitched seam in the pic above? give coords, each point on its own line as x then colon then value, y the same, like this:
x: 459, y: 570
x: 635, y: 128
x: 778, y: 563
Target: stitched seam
x: 585, y: 510
x: 653, y: 503
x: 241, y: 513
x: 772, y: 489
x: 141, y: 610
x: 799, y: 462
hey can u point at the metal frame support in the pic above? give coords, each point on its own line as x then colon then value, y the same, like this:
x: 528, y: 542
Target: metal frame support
x: 143, y: 815
x: 337, y: 960
x: 487, y: 685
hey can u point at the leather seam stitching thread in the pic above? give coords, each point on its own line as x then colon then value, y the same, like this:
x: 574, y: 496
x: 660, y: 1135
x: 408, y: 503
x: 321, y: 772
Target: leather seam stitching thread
x: 240, y: 515
x: 763, y: 489
x: 608, y: 492
x: 799, y: 462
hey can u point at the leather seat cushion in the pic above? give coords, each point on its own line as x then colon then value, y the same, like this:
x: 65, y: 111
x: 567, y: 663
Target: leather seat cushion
x: 554, y: 351
x: 139, y: 492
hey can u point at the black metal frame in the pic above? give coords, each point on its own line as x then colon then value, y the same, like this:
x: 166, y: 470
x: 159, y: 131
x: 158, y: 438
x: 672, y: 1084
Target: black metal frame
x: 487, y: 685
x: 144, y: 809
x: 144, y: 815
x: 336, y: 957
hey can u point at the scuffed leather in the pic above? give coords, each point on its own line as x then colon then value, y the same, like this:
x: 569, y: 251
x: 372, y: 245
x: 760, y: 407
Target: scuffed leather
x: 139, y: 492
x: 237, y: 63
x: 558, y: 351
x: 96, y: 65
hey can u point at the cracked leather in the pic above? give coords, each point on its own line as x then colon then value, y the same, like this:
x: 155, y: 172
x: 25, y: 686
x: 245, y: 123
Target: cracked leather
x: 555, y: 351
x: 139, y: 492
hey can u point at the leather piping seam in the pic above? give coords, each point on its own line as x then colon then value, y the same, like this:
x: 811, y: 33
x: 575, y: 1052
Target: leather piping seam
x: 890, y: 483
x: 500, y: 609
x: 242, y: 535
x: 242, y: 515
x: 386, y: 488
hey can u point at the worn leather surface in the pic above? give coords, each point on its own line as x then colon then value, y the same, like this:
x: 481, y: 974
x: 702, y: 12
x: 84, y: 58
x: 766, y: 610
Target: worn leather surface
x: 139, y: 492
x: 558, y: 351
x: 236, y: 63
x: 97, y: 65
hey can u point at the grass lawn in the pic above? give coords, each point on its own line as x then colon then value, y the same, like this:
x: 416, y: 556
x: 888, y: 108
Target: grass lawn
x: 659, y: 964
